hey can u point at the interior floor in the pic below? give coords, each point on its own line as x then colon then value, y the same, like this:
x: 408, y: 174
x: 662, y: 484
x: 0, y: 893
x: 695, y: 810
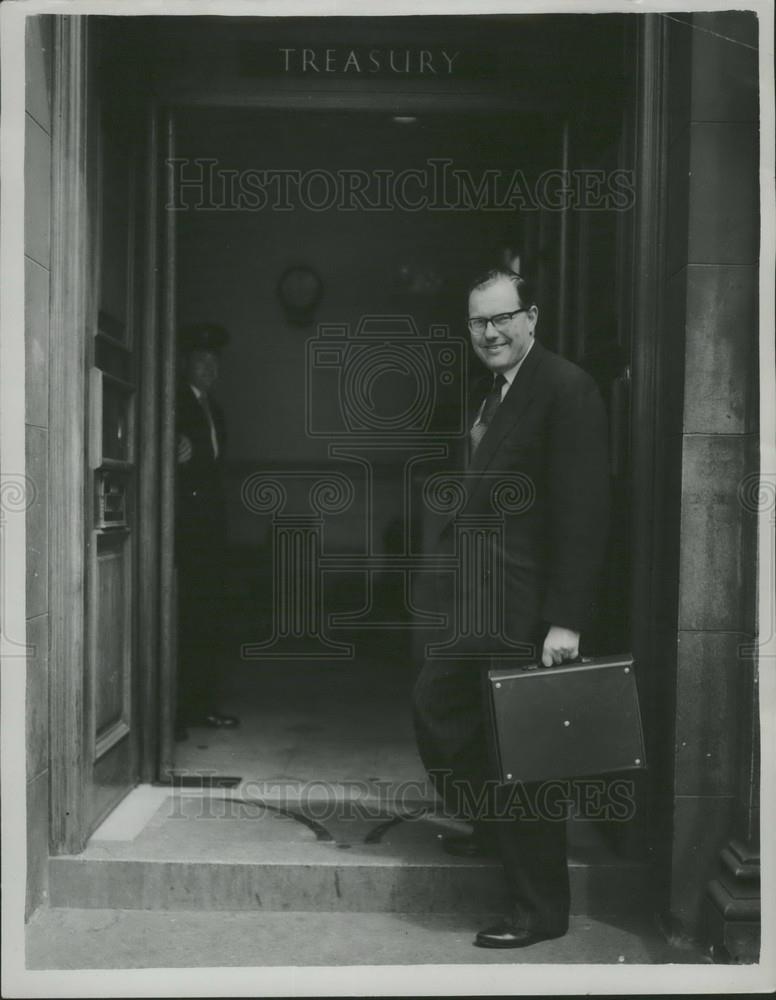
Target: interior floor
x: 320, y: 732
x: 314, y: 721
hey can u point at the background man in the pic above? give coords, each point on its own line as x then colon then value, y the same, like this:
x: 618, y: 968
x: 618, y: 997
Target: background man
x: 200, y: 541
x: 541, y: 417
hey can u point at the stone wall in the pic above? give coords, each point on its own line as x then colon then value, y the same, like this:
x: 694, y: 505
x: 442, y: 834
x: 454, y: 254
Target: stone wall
x: 712, y: 300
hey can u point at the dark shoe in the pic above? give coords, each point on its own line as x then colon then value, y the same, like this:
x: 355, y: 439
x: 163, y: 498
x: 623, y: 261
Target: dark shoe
x: 181, y: 734
x: 216, y: 721
x: 506, y: 935
x: 468, y: 847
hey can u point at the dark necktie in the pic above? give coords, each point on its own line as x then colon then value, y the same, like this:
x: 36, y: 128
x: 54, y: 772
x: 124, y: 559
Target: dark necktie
x: 489, y: 408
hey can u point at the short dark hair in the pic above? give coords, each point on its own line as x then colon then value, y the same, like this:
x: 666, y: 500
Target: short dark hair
x: 523, y: 286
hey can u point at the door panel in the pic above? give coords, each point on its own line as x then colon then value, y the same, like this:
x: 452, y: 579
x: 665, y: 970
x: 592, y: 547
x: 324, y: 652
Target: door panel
x: 113, y: 626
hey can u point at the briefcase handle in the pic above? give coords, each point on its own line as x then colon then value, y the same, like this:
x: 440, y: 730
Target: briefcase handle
x: 582, y: 661
x: 577, y: 662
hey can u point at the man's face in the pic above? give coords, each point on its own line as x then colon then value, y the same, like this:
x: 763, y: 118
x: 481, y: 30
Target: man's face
x: 501, y: 349
x: 202, y: 369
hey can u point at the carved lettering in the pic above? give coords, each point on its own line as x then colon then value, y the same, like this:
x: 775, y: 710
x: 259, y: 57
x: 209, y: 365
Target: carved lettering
x: 308, y: 59
x: 286, y: 58
x: 450, y: 59
x: 425, y: 61
x: 352, y: 59
x: 398, y: 61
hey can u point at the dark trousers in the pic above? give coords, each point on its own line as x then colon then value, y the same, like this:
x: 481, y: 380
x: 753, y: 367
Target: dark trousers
x: 200, y: 618
x: 451, y: 714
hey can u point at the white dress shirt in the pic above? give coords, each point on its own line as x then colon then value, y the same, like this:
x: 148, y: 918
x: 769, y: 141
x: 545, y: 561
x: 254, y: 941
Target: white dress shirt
x: 209, y: 416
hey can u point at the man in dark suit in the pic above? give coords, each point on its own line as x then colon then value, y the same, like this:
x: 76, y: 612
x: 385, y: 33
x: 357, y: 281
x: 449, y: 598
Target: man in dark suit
x: 540, y: 418
x: 200, y: 541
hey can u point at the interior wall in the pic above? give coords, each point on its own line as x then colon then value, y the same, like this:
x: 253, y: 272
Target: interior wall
x: 230, y: 263
x: 36, y: 293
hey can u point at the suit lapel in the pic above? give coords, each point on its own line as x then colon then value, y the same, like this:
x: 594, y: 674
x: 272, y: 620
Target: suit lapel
x: 510, y: 411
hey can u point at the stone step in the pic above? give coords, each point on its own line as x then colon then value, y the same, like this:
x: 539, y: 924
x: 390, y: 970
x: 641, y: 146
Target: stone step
x: 194, y: 851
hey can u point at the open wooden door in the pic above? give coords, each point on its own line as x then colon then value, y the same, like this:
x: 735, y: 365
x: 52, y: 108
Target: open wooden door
x: 110, y: 696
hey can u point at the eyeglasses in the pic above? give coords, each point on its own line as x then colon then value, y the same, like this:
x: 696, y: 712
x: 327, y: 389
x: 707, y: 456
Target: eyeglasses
x: 501, y: 321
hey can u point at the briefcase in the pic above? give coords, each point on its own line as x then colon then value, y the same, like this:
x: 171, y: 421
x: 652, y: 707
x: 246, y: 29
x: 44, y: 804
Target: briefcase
x: 569, y: 721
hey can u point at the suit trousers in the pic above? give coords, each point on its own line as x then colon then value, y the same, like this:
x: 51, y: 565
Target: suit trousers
x: 527, y: 828
x: 201, y: 580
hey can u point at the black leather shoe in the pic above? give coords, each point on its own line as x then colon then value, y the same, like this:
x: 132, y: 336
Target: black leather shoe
x: 214, y: 720
x: 506, y: 935
x: 468, y: 847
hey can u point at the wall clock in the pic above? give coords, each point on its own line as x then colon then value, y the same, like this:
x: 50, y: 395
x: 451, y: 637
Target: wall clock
x: 299, y: 289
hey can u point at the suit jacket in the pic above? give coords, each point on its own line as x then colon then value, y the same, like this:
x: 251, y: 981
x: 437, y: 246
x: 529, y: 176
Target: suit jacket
x: 550, y: 429
x: 200, y: 510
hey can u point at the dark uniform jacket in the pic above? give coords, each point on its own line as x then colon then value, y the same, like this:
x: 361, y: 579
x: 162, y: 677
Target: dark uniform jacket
x: 200, y: 513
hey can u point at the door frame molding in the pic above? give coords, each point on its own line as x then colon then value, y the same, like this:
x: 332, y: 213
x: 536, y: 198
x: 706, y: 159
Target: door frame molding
x: 67, y: 482
x: 148, y: 458
x: 167, y: 471
x: 651, y: 482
